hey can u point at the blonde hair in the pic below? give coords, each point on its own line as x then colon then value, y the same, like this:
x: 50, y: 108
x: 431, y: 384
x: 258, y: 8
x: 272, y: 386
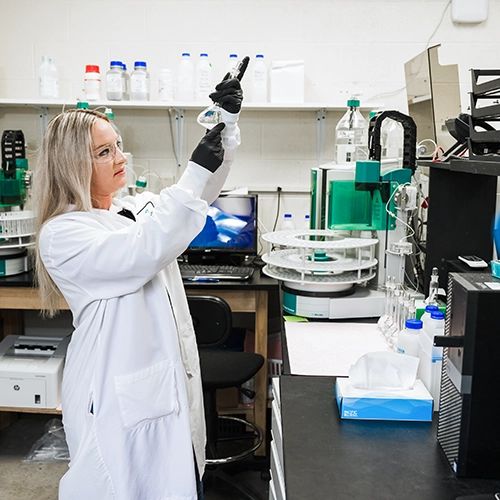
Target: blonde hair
x: 62, y: 178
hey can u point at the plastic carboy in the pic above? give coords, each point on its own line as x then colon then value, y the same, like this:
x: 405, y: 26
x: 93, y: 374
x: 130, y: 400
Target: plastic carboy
x: 259, y: 79
x: 351, y: 136
x: 115, y: 81
x: 139, y: 82
x: 203, y: 78
x: 48, y: 78
x: 185, y: 79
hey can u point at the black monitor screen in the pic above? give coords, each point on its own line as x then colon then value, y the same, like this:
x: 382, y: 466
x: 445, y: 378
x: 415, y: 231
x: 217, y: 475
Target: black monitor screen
x: 231, y: 226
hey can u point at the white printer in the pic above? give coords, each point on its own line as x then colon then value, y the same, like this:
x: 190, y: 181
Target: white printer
x: 31, y: 371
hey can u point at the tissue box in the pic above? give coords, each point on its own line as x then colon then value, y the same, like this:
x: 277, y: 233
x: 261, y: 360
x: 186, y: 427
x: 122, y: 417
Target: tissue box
x: 361, y: 404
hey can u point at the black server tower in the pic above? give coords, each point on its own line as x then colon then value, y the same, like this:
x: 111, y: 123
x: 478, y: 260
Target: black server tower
x: 469, y: 413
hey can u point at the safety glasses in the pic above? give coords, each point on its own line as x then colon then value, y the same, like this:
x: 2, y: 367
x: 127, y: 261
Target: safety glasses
x: 107, y: 152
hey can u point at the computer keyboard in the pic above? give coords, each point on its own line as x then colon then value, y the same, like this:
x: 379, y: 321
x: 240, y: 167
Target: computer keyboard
x: 207, y: 272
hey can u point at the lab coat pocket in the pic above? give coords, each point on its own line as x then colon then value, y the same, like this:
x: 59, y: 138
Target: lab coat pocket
x: 148, y: 394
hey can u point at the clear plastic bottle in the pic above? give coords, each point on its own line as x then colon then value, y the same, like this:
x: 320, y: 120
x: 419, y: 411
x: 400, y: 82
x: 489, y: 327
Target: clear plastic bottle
x: 287, y: 222
x: 115, y: 81
x: 351, y: 136
x: 433, y: 287
x: 203, y: 85
x: 408, y: 337
x: 166, y: 85
x: 139, y: 82
x: 185, y: 79
x: 48, y: 79
x: 126, y: 83
x: 259, y: 79
x: 92, y: 82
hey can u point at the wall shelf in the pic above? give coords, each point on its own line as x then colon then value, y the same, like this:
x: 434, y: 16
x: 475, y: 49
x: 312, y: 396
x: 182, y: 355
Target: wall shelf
x: 45, y: 103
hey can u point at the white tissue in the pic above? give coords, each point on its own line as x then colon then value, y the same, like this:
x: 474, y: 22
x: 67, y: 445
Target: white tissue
x: 384, y: 370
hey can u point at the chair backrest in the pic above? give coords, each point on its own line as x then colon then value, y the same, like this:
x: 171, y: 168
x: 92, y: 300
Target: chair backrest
x: 212, y: 319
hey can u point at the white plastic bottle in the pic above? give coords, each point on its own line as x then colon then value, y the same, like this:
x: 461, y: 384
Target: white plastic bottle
x: 431, y: 357
x: 92, y: 82
x: 232, y: 63
x: 203, y: 85
x: 426, y: 316
x: 185, y: 79
x: 351, y: 136
x: 48, y: 79
x: 115, y: 81
x: 139, y: 82
x: 307, y: 222
x: 166, y: 85
x: 287, y: 222
x: 408, y: 337
x: 259, y: 79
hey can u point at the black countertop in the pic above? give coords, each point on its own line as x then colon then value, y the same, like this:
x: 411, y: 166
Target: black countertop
x: 259, y: 281
x: 326, y: 457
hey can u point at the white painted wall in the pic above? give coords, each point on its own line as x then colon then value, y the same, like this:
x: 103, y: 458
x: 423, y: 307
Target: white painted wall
x: 347, y: 46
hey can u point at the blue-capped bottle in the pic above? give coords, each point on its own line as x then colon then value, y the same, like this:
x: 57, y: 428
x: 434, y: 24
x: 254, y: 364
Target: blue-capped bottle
x: 115, y: 81
x: 139, y: 82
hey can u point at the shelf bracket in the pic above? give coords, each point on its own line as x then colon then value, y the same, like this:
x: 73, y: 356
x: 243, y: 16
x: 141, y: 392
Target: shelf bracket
x: 179, y: 132
x: 320, y: 132
x: 43, y: 114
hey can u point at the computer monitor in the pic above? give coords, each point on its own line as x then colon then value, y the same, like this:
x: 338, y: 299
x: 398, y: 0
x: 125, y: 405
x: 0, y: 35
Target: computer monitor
x: 230, y: 231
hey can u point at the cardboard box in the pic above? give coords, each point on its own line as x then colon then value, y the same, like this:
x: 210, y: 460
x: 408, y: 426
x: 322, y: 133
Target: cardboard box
x: 228, y: 398
x: 409, y: 405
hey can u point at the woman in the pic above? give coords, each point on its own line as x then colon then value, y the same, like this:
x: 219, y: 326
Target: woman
x: 132, y: 399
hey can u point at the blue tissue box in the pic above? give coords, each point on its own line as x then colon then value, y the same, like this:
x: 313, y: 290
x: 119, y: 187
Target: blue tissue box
x: 360, y: 404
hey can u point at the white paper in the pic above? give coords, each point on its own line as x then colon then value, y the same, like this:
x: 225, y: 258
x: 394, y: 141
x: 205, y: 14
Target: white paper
x: 329, y: 349
x: 287, y: 81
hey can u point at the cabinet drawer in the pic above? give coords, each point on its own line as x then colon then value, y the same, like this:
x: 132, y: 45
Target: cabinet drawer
x: 277, y: 473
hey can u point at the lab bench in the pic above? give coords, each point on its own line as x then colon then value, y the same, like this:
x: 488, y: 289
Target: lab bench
x: 316, y: 454
x: 17, y: 294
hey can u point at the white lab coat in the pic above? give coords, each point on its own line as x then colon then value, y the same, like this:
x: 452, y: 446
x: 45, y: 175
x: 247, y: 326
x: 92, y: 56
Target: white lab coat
x: 132, y: 397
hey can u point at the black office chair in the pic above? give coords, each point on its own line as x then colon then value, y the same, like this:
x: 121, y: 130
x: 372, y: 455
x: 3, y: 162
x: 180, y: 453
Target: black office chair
x: 221, y: 369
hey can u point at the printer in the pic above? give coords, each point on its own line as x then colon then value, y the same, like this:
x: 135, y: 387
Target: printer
x: 31, y: 371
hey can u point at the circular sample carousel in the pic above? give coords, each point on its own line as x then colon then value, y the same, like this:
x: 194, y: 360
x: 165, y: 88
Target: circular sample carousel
x: 318, y: 264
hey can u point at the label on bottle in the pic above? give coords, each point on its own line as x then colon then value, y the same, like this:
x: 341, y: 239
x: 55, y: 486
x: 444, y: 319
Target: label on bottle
x: 49, y: 87
x: 114, y: 83
x: 139, y: 84
x: 92, y: 87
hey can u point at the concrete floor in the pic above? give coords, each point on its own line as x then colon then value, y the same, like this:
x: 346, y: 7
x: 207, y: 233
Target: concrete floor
x: 39, y: 481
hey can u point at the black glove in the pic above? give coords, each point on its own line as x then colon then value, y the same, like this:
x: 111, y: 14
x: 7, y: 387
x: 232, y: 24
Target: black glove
x: 209, y: 153
x: 228, y: 94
